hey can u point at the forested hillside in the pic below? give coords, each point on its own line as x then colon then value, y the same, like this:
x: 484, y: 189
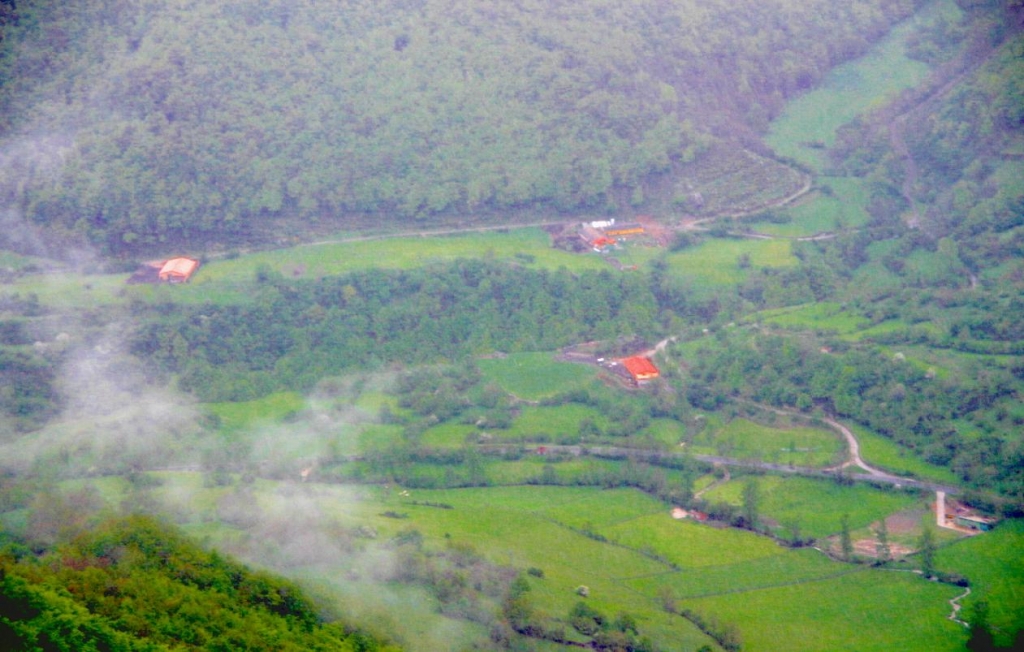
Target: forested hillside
x: 135, y: 122
x: 136, y: 584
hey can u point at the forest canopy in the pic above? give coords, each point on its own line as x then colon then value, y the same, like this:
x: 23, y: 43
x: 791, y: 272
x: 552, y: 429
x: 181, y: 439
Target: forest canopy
x: 136, y: 122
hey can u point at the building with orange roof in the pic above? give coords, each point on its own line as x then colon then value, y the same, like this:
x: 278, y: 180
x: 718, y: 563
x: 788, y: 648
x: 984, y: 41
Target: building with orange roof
x: 178, y: 270
x: 640, y: 369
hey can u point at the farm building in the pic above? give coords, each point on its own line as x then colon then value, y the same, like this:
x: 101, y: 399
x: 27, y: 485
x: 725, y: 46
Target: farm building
x: 641, y: 370
x: 178, y: 270
x: 620, y: 230
x: 972, y: 522
x: 175, y: 270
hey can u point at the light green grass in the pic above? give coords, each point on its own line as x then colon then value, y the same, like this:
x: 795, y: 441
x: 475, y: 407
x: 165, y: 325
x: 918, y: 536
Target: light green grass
x: 716, y: 261
x: 885, y: 453
x: 748, y: 440
x: 689, y: 545
x: 846, y: 92
x: 556, y: 421
x: 827, y: 316
x: 867, y: 611
x: 401, y: 253
x: 845, y: 207
x: 783, y: 568
x: 995, y: 567
x: 269, y: 409
x: 533, y: 376
x: 815, y: 506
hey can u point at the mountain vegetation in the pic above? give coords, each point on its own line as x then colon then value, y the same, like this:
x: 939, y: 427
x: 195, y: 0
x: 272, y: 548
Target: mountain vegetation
x: 135, y: 584
x: 174, y: 122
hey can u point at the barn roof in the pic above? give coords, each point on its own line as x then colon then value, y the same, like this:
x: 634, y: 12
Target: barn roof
x: 183, y: 267
x: 639, y: 366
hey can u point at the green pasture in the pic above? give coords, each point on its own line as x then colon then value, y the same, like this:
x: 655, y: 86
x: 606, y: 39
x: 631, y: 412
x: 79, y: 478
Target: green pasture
x: 530, y: 247
x: 556, y: 421
x: 995, y: 567
x: 716, y: 261
x: 72, y: 290
x: 842, y: 206
x: 814, y: 506
x: 883, y: 452
x: 808, y: 124
x: 723, y: 577
x: 748, y: 440
x: 269, y: 409
x: 825, y: 316
x: 533, y: 376
x: 866, y: 611
x: 688, y: 544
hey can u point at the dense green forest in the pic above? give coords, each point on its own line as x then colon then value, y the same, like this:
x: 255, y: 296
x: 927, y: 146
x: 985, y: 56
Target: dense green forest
x: 171, y: 123
x: 135, y: 584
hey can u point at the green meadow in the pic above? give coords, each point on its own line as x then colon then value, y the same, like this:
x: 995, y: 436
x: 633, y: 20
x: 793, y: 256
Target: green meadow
x: 995, y: 568
x: 716, y: 262
x: 885, y: 453
x: 530, y: 247
x: 839, y: 203
x: 814, y: 506
x: 748, y: 440
x: 865, y: 611
x: 808, y: 124
x: 533, y: 376
x: 824, y: 316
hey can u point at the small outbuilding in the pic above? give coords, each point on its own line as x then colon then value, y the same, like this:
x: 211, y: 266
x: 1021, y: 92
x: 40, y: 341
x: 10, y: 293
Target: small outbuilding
x: 178, y: 270
x: 641, y: 369
x: 970, y: 521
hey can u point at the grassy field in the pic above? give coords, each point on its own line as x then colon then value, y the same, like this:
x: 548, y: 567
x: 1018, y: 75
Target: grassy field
x: 824, y: 316
x: 865, y: 611
x: 995, y: 567
x: 269, y: 409
x: 716, y: 262
x: 533, y: 376
x: 224, y: 280
x: 769, y: 592
x: 516, y: 245
x: 883, y: 452
x: 748, y: 440
x: 840, y: 203
x: 815, y: 506
x: 810, y: 122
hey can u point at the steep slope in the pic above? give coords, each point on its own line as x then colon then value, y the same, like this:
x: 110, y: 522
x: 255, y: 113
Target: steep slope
x: 137, y: 122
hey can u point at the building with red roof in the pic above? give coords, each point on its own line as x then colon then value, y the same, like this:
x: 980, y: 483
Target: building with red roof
x: 178, y: 270
x: 640, y: 369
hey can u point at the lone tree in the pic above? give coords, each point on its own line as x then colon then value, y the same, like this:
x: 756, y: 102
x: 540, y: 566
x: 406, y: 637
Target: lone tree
x: 882, y: 549
x: 845, y: 542
x: 751, y: 500
x: 926, y: 546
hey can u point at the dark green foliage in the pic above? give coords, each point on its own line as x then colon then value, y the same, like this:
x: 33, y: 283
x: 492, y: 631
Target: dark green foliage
x: 27, y: 393
x: 884, y: 392
x: 138, y: 585
x: 295, y: 333
x: 179, y: 123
